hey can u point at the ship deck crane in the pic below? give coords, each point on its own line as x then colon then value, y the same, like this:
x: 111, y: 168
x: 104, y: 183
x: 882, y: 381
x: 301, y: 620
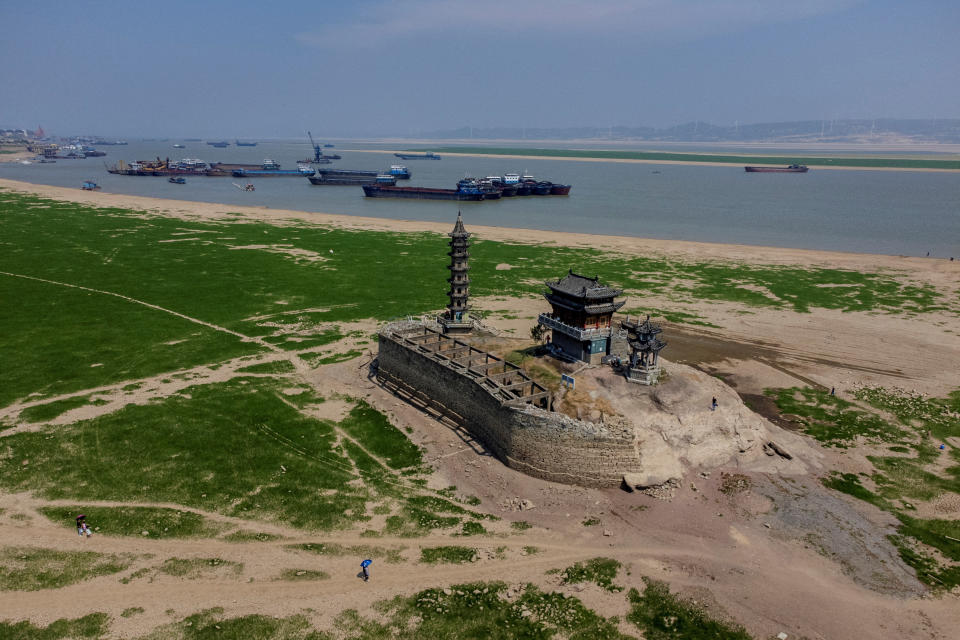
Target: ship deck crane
x: 317, y: 151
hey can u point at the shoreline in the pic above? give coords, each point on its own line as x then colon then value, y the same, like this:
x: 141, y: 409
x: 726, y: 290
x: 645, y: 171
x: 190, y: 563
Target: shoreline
x: 694, y: 163
x: 675, y: 249
x: 17, y: 156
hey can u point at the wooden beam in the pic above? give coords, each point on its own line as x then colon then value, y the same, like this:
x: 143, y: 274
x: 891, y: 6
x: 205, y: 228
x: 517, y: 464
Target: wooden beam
x: 487, y: 365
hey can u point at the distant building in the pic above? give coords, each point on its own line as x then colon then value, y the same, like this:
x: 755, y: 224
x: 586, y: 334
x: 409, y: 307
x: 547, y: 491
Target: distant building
x: 581, y: 319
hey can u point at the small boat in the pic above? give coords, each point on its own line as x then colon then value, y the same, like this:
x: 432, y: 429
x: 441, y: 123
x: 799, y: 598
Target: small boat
x: 244, y: 187
x: 328, y: 145
x: 223, y: 144
x: 244, y: 144
x: 179, y: 146
x: 542, y: 188
x: 560, y: 189
x: 177, y: 180
x: 491, y: 189
x: 400, y: 172
x: 90, y: 185
x: 507, y: 189
x: 793, y: 168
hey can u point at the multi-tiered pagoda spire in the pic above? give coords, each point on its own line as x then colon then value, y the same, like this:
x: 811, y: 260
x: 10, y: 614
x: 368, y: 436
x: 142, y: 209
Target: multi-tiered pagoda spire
x: 456, y: 320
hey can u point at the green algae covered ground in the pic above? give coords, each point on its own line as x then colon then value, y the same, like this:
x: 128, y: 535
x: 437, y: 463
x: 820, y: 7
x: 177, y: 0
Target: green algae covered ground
x: 912, y: 470
x: 101, y: 297
x: 665, y: 156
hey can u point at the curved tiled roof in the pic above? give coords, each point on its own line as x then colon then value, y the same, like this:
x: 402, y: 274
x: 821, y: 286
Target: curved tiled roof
x: 578, y: 286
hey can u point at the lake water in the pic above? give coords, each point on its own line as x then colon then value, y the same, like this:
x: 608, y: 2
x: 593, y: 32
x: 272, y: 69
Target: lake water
x: 887, y: 212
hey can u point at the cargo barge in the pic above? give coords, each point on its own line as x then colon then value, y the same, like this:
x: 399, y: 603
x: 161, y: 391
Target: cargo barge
x: 429, y: 155
x: 195, y: 167
x: 793, y: 168
x: 269, y: 169
x: 335, y: 177
x: 158, y: 167
x: 467, y: 190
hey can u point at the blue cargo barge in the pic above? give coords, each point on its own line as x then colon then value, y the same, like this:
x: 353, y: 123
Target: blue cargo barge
x: 263, y: 173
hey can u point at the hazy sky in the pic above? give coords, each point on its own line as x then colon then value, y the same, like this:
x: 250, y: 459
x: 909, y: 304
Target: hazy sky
x: 373, y: 67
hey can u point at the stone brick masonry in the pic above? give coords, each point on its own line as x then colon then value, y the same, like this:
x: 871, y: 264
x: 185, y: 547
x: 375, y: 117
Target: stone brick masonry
x: 540, y: 443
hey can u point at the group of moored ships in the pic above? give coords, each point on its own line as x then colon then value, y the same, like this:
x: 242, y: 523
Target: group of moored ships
x: 376, y: 184
x: 473, y: 189
x: 195, y: 167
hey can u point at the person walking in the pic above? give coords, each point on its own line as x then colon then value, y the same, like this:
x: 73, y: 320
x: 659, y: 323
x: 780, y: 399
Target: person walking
x: 714, y: 405
x: 82, y: 527
x: 365, y: 569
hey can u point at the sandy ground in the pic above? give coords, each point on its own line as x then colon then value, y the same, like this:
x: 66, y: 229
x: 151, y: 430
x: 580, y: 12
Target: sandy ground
x: 925, y: 269
x: 898, y: 145
x: 783, y: 555
x: 17, y: 155
x: 762, y: 557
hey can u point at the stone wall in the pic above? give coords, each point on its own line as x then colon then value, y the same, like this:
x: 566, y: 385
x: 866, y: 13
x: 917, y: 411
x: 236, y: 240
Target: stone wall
x: 539, y: 443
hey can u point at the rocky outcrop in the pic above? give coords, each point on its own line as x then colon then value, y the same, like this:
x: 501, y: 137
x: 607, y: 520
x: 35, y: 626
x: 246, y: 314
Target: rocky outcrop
x: 660, y: 434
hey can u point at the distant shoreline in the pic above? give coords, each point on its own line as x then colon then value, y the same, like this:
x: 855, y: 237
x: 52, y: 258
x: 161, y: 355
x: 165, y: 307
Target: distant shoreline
x: 17, y: 154
x: 692, y: 159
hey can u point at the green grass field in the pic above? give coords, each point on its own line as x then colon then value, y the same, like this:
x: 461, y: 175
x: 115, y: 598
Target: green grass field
x: 813, y: 161
x: 110, y: 301
x: 469, y: 610
x: 600, y: 571
x: 134, y: 521
x: 30, y: 568
x: 108, y: 298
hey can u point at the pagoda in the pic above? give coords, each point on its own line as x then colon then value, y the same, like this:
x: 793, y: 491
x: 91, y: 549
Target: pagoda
x: 581, y: 317
x: 456, y: 319
x: 645, y: 347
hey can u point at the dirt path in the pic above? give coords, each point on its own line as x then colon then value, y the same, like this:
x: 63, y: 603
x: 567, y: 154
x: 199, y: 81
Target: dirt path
x: 770, y: 584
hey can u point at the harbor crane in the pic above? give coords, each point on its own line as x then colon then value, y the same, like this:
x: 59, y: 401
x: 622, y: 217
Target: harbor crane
x: 317, y: 150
